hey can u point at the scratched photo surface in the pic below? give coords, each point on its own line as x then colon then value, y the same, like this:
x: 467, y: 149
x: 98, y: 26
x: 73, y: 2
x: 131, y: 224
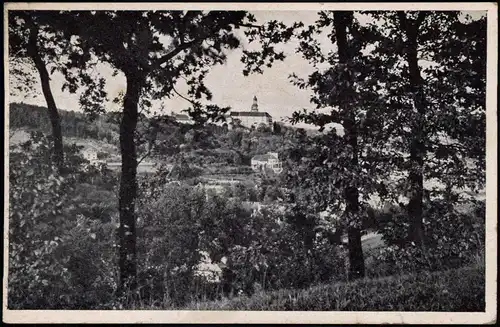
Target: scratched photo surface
x: 246, y: 160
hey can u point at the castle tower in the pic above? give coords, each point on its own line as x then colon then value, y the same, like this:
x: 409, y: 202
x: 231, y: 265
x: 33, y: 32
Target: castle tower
x: 255, y: 106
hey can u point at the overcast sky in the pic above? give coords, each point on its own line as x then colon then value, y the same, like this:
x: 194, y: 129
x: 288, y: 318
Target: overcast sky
x: 229, y: 87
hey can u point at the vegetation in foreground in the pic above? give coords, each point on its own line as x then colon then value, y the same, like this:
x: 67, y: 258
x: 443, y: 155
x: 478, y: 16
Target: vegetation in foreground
x: 452, y: 290
x: 78, y: 240
x: 62, y: 253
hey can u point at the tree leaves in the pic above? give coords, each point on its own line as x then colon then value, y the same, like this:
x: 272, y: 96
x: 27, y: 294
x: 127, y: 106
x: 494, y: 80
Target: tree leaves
x: 269, y: 35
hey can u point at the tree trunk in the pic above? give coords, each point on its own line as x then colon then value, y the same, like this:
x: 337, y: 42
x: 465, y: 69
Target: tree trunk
x: 55, y: 120
x: 128, y: 184
x: 356, y: 258
x: 417, y: 148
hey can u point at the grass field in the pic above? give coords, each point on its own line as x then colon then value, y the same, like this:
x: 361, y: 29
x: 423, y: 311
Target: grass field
x: 453, y: 290
x: 18, y: 136
x: 372, y: 242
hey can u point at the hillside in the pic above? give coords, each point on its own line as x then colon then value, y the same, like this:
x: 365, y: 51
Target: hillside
x: 453, y: 290
x: 213, y: 148
x: 73, y: 124
x: 20, y: 135
x: 217, y: 152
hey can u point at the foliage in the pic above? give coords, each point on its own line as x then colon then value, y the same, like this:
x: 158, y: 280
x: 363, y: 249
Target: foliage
x: 264, y: 254
x: 58, y: 258
x: 197, y: 40
x: 48, y: 42
x: 387, y: 144
x: 183, y: 170
x: 433, y: 100
x: 455, y: 238
x: 255, y: 249
x: 175, y: 226
x: 73, y: 124
x: 267, y: 232
x: 39, y: 39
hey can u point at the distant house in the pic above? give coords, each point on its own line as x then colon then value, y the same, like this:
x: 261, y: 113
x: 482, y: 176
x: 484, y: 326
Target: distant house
x: 90, y: 154
x: 268, y: 160
x: 183, y: 118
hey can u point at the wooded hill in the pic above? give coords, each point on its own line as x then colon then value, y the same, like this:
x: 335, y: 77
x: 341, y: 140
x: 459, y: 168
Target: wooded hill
x: 73, y: 124
x: 210, y: 144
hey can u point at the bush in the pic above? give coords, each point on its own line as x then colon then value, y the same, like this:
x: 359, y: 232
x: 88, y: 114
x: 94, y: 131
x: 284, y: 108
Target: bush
x: 90, y: 261
x: 454, y: 238
x: 274, y: 256
x: 256, y: 249
x: 57, y: 258
x: 185, y: 171
x: 172, y: 230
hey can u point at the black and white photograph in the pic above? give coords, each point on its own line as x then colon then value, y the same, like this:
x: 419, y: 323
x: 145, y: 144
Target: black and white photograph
x: 233, y: 162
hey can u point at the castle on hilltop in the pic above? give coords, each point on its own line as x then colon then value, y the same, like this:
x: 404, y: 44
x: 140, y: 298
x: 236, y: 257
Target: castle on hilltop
x: 249, y: 119
x: 254, y: 117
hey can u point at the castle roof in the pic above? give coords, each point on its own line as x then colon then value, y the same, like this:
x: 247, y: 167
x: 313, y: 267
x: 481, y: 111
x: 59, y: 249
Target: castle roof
x: 249, y: 114
x: 264, y: 157
x: 181, y: 117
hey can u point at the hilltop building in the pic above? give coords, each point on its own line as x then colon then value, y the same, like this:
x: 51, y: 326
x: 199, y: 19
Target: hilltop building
x: 254, y: 117
x: 268, y: 160
x: 249, y: 119
x: 182, y: 118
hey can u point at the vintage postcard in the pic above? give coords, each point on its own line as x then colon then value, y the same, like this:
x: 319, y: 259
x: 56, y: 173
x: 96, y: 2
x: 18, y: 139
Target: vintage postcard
x: 250, y: 163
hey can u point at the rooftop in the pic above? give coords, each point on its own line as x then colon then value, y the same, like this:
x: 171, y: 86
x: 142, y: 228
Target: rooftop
x: 264, y: 157
x: 249, y: 114
x: 182, y: 117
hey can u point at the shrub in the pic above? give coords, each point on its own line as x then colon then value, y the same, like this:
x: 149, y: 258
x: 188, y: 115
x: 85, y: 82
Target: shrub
x: 170, y: 237
x: 275, y: 256
x: 185, y: 171
x: 454, y: 238
x: 57, y: 259
x: 257, y: 249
